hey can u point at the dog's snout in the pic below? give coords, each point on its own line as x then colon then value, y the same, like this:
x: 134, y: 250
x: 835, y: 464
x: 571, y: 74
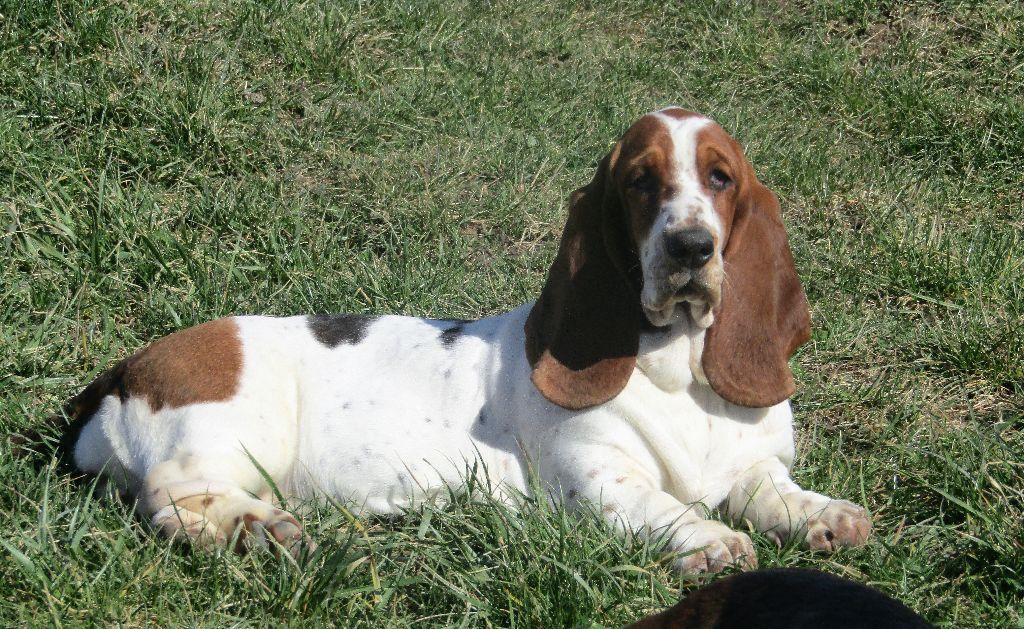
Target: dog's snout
x: 691, y: 247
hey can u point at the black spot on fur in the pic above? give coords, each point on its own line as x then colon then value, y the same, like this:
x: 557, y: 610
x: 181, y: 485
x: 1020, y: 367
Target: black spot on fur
x: 428, y: 420
x: 482, y: 418
x: 333, y: 330
x: 451, y: 335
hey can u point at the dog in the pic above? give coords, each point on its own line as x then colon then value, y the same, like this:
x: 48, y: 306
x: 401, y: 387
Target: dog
x: 785, y: 598
x: 649, y: 380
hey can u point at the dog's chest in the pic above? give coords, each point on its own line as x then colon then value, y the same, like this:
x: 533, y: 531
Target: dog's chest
x: 701, y: 442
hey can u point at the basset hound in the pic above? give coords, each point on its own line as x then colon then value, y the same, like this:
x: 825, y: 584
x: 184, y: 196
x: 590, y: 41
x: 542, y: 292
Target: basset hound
x: 649, y: 381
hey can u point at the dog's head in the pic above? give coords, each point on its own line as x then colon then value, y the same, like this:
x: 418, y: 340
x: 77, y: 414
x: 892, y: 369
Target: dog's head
x: 674, y: 225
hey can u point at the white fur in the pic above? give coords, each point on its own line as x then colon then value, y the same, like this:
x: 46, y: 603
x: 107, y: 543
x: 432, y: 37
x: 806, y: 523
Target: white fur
x: 395, y: 418
x: 691, y: 204
x: 399, y: 416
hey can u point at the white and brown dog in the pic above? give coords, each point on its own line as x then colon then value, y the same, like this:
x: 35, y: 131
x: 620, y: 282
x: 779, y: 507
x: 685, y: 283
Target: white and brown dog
x: 650, y: 379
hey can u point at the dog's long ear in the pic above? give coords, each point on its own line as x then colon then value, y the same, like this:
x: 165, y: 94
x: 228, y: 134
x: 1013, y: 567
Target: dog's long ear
x: 582, y: 334
x: 763, y: 316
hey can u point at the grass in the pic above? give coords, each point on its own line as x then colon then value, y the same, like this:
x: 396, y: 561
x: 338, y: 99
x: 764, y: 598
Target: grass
x: 166, y: 162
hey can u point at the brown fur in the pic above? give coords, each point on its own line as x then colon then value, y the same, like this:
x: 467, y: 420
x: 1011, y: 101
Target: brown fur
x: 763, y: 315
x: 646, y: 148
x: 198, y: 364
x: 583, y: 333
x: 702, y: 609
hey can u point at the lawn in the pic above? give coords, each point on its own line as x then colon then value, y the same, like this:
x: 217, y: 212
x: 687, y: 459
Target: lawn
x: 165, y: 163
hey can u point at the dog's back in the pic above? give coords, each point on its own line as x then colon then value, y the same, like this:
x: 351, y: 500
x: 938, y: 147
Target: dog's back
x: 789, y: 598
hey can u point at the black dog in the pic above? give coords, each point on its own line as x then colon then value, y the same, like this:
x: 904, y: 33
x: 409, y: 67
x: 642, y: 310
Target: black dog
x: 785, y: 598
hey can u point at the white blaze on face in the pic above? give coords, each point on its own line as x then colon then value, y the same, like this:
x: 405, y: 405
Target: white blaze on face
x: 690, y: 206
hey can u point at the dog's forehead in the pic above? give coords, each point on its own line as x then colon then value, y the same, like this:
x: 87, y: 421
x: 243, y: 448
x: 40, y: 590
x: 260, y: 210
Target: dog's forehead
x: 670, y: 139
x: 647, y: 137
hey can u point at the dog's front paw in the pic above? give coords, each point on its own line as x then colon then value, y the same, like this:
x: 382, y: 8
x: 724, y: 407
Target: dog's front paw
x: 709, y: 546
x: 840, y: 523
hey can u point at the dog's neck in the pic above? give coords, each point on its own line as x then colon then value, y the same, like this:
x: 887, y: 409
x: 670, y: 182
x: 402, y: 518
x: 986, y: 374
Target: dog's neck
x: 670, y: 356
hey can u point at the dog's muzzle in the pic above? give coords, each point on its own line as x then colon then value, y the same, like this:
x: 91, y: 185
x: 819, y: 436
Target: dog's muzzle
x: 688, y: 280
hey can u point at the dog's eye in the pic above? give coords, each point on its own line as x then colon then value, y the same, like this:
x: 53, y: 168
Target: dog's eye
x: 642, y: 181
x: 719, y: 180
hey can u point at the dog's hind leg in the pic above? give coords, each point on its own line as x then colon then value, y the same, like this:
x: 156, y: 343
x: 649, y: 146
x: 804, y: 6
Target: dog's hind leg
x: 194, y: 426
x: 185, y: 498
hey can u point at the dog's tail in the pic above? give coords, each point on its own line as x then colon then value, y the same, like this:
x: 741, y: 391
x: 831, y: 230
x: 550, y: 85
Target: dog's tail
x: 58, y: 434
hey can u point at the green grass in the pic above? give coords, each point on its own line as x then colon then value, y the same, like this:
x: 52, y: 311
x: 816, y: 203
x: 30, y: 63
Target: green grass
x: 164, y: 163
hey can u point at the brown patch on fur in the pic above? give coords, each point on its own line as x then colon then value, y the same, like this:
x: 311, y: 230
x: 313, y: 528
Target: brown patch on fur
x: 701, y: 609
x: 198, y: 364
x: 207, y: 501
x: 583, y: 333
x: 716, y: 149
x: 763, y: 315
x: 646, y: 174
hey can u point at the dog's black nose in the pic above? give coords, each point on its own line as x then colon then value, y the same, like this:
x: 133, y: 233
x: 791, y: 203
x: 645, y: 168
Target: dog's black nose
x: 691, y: 247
